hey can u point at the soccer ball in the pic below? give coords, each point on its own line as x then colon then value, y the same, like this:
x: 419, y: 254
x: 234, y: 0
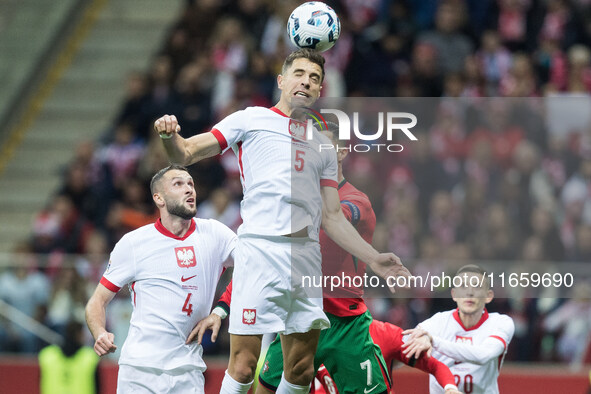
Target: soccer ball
x: 314, y: 25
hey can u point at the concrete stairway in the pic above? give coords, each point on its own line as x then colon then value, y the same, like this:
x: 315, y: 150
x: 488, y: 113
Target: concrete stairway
x: 27, y: 30
x: 89, y: 93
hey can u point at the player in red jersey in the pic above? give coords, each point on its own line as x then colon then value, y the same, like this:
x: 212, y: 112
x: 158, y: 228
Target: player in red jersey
x: 390, y: 340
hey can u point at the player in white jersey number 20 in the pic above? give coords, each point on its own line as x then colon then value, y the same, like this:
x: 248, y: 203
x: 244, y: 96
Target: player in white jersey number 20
x: 172, y: 268
x: 471, y: 341
x: 289, y: 187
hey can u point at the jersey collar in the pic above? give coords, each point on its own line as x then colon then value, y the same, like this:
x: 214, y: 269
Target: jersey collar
x: 480, y: 322
x: 342, y: 184
x: 164, y: 231
x: 278, y: 111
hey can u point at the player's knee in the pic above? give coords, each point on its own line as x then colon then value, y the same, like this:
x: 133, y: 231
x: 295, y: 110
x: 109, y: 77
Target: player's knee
x: 243, y: 367
x: 242, y: 373
x: 301, y: 373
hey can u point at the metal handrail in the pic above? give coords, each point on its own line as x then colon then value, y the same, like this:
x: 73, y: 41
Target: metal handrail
x: 30, y: 324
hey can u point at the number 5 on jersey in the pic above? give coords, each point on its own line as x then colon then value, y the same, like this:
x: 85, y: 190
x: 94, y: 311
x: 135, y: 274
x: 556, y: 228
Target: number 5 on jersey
x: 299, y: 160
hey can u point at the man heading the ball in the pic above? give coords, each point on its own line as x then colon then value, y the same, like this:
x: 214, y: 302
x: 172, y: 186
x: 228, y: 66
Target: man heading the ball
x: 289, y: 188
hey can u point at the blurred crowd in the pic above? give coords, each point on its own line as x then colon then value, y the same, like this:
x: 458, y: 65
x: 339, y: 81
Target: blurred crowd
x: 494, y: 179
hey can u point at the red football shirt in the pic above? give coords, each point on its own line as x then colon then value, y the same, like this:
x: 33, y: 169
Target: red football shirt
x: 347, y: 300
x: 389, y: 338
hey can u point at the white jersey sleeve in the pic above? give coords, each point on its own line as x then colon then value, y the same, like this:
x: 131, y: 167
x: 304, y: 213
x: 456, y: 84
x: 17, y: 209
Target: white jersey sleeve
x: 505, y: 330
x: 232, y: 128
x: 226, y: 243
x: 331, y: 167
x: 121, y: 269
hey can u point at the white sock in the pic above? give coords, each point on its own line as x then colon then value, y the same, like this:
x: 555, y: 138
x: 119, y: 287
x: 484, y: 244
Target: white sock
x: 230, y: 386
x: 289, y: 388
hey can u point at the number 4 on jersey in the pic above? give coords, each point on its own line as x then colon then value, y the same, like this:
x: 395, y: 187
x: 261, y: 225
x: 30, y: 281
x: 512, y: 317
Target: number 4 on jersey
x: 188, y: 308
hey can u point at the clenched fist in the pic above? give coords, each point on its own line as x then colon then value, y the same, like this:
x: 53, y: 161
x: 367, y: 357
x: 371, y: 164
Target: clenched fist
x: 166, y: 126
x: 105, y: 343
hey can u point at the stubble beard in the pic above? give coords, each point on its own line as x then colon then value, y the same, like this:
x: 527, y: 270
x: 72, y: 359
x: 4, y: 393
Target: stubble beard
x: 181, y: 211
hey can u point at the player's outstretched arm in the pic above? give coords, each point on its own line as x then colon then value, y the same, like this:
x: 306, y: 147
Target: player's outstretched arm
x: 184, y: 151
x: 441, y: 373
x: 417, y: 345
x: 338, y: 228
x: 96, y: 320
x: 436, y: 368
x: 479, y: 354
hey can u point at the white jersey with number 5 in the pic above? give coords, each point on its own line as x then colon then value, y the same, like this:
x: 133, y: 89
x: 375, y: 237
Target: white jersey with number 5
x: 172, y: 282
x: 280, y: 169
x: 474, y: 355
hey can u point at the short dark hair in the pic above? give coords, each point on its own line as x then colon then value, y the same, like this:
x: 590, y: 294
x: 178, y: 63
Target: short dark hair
x: 161, y: 173
x: 475, y: 269
x: 305, y: 53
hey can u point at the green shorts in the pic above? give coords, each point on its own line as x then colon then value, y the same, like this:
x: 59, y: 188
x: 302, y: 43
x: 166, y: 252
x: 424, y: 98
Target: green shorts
x: 348, y: 353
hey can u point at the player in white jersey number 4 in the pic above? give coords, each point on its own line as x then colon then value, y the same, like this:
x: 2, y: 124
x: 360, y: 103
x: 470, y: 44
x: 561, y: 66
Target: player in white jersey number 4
x: 289, y: 187
x: 471, y: 341
x: 172, y: 268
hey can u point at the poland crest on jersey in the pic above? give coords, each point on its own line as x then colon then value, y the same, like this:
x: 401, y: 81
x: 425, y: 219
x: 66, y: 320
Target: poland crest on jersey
x: 297, y: 129
x: 249, y: 316
x: 460, y: 339
x: 185, y: 256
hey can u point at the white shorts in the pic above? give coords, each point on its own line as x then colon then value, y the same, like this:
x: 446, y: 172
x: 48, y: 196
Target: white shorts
x: 267, y: 292
x: 186, y: 380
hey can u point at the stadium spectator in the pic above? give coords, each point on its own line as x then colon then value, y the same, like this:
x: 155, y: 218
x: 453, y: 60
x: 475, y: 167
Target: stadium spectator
x: 25, y: 288
x: 450, y: 44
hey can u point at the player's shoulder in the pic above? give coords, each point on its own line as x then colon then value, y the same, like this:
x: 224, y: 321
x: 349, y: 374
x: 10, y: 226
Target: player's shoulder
x: 352, y: 193
x: 243, y: 115
x: 442, y: 316
x: 139, y: 233
x: 258, y: 111
x: 385, y: 328
x: 253, y: 116
x: 255, y: 110
x: 501, y: 319
x: 445, y: 314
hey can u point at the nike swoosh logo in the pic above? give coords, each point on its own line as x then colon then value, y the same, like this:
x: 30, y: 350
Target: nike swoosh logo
x: 183, y: 279
x: 366, y: 391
